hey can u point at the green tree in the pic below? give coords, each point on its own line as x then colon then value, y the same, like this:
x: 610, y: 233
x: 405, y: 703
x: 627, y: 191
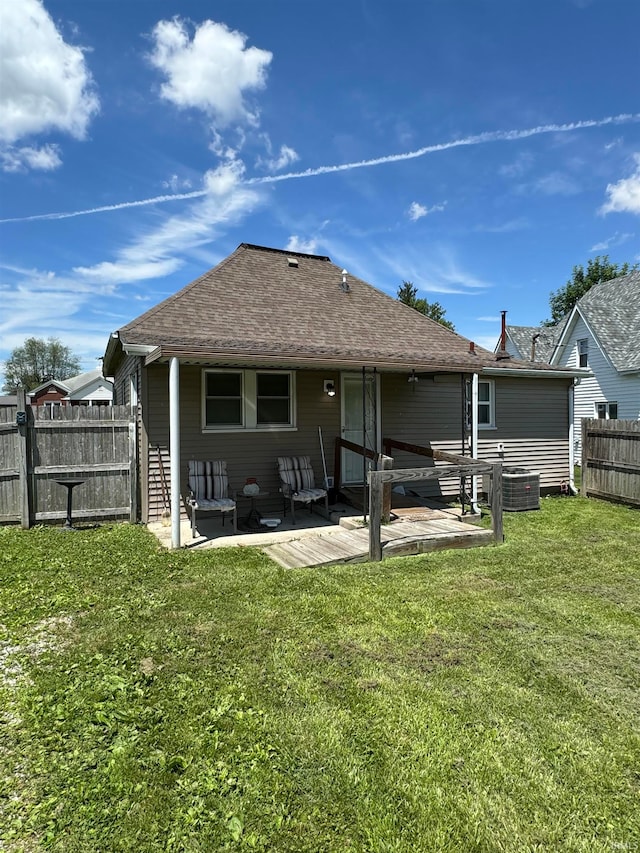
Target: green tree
x: 408, y: 294
x: 581, y: 281
x: 37, y: 361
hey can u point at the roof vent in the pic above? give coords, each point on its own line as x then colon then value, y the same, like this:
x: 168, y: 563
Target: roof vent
x: 293, y: 262
x: 345, y: 283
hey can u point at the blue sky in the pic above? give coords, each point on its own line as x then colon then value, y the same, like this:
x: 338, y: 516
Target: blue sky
x: 478, y: 148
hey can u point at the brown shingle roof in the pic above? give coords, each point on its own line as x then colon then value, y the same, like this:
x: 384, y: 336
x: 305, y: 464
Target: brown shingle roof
x: 255, y: 303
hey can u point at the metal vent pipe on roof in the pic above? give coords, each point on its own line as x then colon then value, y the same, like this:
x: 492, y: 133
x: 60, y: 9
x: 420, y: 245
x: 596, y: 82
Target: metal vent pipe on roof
x: 345, y: 283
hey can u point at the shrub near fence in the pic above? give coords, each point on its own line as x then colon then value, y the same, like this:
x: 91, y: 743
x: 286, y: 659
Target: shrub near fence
x: 611, y: 460
x: 96, y: 444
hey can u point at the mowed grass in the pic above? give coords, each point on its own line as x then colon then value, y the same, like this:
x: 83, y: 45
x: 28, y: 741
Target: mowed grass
x: 481, y: 700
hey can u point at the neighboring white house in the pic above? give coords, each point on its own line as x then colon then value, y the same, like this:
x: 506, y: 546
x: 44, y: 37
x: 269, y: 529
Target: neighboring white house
x: 86, y: 389
x: 602, y: 333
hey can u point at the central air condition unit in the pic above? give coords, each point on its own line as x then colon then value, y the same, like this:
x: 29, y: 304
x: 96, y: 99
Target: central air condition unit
x: 520, y: 489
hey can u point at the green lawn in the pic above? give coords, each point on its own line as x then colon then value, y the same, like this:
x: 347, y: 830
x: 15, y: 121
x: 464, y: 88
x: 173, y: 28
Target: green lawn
x: 484, y: 700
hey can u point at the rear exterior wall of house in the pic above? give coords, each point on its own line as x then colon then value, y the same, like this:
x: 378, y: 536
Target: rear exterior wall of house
x: 530, y: 421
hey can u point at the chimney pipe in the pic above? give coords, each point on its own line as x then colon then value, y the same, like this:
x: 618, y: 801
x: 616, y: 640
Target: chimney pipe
x: 534, y: 340
x: 472, y: 346
x: 503, y: 333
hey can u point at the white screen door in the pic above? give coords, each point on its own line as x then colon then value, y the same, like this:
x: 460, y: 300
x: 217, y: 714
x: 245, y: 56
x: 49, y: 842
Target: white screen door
x: 352, y: 412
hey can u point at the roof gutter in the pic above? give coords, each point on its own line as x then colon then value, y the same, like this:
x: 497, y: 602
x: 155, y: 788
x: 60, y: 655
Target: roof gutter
x: 565, y: 373
x: 162, y: 353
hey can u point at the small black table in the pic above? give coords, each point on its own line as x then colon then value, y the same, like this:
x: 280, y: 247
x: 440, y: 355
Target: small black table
x: 70, y: 485
x: 251, y: 522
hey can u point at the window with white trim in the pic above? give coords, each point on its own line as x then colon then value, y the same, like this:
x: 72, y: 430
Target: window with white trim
x: 607, y: 411
x: 486, y: 404
x: 583, y: 352
x: 248, y: 399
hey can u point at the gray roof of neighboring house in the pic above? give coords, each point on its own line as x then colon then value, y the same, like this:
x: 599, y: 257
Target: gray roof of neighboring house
x: 8, y: 400
x: 73, y: 383
x: 522, y: 337
x: 612, y: 311
x: 291, y: 308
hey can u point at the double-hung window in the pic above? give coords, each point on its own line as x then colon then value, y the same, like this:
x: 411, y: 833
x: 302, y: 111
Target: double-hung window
x: 486, y: 404
x: 583, y: 352
x: 247, y: 400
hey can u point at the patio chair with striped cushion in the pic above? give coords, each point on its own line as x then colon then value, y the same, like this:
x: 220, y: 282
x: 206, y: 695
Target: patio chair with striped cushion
x: 208, y: 491
x: 297, y: 483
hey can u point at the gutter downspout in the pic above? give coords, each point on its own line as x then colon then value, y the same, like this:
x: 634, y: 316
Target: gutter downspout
x: 474, y: 440
x: 174, y: 448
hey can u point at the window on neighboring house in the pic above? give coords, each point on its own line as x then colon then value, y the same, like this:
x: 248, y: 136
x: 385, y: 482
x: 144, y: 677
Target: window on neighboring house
x: 486, y: 403
x: 607, y: 411
x: 248, y: 399
x: 583, y: 352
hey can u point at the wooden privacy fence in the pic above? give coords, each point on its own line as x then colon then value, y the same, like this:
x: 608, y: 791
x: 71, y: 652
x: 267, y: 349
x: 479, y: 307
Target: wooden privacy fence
x: 611, y: 460
x: 95, y: 444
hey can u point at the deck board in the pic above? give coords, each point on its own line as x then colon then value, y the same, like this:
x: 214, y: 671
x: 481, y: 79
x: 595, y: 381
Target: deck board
x: 402, y: 537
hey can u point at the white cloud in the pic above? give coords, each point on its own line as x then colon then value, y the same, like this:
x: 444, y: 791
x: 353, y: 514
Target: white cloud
x: 175, y: 183
x: 518, y: 167
x: 417, y: 211
x: 297, y: 244
x: 286, y: 157
x: 556, y: 183
x: 155, y: 254
x: 488, y: 319
x: 46, y: 85
x: 624, y: 197
x: 45, y: 158
x: 211, y: 72
x: 616, y: 240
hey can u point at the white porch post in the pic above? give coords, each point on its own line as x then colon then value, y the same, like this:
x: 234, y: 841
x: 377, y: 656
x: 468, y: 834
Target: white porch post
x: 474, y: 439
x: 174, y: 448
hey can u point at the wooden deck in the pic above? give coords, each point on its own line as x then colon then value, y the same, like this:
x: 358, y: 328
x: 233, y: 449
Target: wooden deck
x: 400, y: 538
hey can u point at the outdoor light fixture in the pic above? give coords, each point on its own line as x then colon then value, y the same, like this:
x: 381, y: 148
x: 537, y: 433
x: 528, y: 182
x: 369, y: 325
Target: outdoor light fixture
x: 413, y: 377
x: 329, y: 387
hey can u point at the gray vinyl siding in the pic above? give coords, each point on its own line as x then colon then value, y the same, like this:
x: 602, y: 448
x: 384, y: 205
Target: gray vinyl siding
x: 247, y: 454
x: 531, y: 422
x: 531, y: 416
x: 428, y: 413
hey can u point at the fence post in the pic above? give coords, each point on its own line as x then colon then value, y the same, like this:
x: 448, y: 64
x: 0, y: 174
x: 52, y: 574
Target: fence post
x: 375, y: 517
x: 385, y: 463
x: 496, y: 502
x: 23, y: 462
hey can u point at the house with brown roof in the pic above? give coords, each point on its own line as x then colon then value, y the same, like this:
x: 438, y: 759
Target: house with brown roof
x: 271, y: 351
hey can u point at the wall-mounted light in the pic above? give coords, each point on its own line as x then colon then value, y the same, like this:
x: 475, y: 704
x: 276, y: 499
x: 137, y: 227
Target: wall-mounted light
x: 330, y: 387
x: 413, y: 377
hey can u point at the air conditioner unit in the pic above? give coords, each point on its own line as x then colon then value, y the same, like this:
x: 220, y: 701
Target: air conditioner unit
x: 520, y: 489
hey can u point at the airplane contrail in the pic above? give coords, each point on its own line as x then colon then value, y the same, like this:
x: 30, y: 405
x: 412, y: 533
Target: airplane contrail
x: 475, y: 139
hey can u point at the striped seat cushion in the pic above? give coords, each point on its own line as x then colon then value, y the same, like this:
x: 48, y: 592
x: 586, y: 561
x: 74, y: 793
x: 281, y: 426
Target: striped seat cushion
x: 297, y: 473
x: 208, y: 480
